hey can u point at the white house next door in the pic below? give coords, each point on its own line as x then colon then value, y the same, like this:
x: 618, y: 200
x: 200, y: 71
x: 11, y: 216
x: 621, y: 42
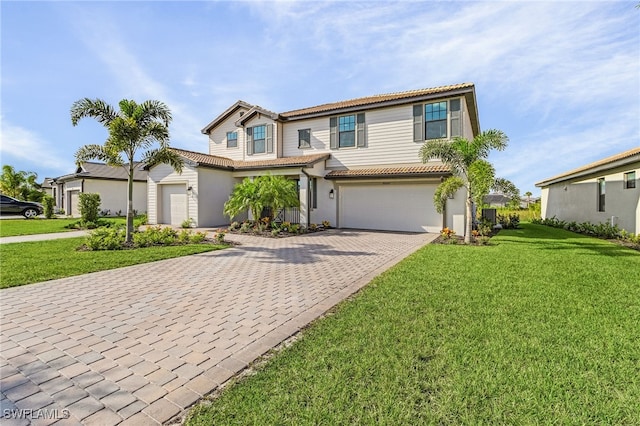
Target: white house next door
x: 173, y: 204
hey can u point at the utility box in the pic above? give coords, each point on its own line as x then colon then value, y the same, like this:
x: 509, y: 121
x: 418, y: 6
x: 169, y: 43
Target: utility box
x: 490, y: 214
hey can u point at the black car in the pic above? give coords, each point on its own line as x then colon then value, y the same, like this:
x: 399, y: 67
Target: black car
x: 28, y: 209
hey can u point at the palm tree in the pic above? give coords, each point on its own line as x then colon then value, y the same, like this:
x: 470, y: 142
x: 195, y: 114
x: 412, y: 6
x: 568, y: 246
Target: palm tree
x: 12, y: 181
x: 134, y: 127
x: 470, y: 169
x: 528, y: 194
x: 275, y: 192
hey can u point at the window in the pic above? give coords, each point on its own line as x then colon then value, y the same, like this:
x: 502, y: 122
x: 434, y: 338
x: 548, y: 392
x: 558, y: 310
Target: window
x: 437, y: 120
x: 260, y: 139
x: 601, y: 194
x: 304, y: 138
x: 232, y: 140
x: 347, y: 131
x: 630, y: 180
x: 435, y: 116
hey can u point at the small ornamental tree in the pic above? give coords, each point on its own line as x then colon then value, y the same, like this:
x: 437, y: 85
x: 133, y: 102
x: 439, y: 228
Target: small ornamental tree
x: 133, y: 128
x: 89, y: 205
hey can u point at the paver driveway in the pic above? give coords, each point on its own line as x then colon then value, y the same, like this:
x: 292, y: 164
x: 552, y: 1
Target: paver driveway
x: 139, y: 344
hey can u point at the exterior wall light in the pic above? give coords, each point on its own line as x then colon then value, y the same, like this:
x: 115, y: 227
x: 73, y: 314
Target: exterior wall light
x: 331, y: 194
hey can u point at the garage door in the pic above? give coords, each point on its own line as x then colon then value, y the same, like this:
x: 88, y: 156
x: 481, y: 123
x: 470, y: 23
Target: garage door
x: 389, y: 207
x: 174, y: 204
x: 74, y: 200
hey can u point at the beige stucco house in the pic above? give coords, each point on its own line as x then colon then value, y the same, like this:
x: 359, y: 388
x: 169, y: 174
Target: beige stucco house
x: 109, y: 182
x: 356, y: 162
x: 604, y: 191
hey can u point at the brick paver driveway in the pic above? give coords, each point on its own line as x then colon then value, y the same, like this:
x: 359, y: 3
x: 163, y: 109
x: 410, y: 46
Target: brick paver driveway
x: 140, y: 344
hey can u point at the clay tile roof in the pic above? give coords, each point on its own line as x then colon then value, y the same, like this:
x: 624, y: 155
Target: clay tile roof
x: 406, y: 171
x: 368, y: 100
x: 587, y: 168
x: 299, y: 161
x: 205, y: 159
x: 215, y: 161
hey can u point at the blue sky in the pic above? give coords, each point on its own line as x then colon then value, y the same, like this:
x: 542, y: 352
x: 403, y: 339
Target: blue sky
x: 562, y: 79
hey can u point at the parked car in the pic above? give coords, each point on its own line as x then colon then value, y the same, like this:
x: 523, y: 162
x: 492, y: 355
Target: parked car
x: 11, y: 206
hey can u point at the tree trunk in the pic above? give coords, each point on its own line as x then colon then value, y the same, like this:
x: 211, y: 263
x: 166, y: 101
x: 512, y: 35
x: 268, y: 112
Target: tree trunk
x: 129, y: 234
x: 469, y: 227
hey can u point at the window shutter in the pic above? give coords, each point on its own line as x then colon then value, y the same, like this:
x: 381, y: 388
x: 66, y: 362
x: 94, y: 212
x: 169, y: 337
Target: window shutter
x: 249, y: 140
x: 360, y: 136
x: 333, y: 133
x: 456, y: 117
x: 269, y: 138
x: 418, y: 124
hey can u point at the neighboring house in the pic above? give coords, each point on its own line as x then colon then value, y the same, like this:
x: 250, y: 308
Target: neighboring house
x: 496, y: 200
x: 109, y: 182
x: 356, y: 162
x: 49, y: 187
x: 604, y: 191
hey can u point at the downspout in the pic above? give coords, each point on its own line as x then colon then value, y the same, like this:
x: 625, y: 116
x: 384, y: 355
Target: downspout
x: 308, y: 195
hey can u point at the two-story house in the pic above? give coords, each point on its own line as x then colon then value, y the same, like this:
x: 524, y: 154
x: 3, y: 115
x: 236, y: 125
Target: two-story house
x: 356, y: 162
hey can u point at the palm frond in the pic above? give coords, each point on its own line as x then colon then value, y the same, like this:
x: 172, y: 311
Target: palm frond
x: 94, y: 108
x: 481, y: 179
x: 446, y: 190
x: 152, y: 110
x: 91, y: 152
x: 163, y: 156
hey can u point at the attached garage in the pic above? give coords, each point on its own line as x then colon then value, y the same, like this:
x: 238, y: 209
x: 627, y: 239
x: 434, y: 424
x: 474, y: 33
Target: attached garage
x: 173, y: 204
x: 389, y: 206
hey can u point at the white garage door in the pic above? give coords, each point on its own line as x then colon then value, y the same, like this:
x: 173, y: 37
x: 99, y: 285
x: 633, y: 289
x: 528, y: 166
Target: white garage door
x: 74, y: 200
x: 389, y: 207
x: 174, y: 204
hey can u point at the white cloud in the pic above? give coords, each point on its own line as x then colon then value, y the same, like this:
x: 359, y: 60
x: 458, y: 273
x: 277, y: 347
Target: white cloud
x: 29, y: 148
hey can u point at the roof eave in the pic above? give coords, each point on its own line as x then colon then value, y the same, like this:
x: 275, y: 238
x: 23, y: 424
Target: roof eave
x: 592, y: 170
x: 390, y: 175
x: 233, y: 108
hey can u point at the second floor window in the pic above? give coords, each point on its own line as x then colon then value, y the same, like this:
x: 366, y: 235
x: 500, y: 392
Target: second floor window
x: 435, y: 115
x: 304, y: 138
x: 260, y: 139
x: 347, y: 131
x: 232, y: 140
x: 437, y: 120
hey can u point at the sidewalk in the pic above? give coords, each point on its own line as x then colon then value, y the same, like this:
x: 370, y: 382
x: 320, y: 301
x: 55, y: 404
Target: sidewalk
x: 42, y: 237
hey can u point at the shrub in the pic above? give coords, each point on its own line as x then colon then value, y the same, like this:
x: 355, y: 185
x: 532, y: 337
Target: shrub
x: 234, y: 226
x: 509, y: 221
x: 245, y: 227
x: 197, y: 237
x: 105, y: 212
x: 219, y: 237
x: 326, y: 224
x: 47, y: 203
x: 313, y: 227
x: 275, y: 232
x: 106, y: 239
x: 447, y: 233
x: 187, y: 223
x: 155, y: 236
x: 138, y: 221
x: 89, y: 205
x: 294, y: 229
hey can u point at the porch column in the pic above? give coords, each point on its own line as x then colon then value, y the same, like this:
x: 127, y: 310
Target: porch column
x: 304, y: 199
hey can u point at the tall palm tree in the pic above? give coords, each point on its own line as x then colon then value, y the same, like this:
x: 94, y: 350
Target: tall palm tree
x: 528, y: 194
x: 470, y: 169
x: 134, y: 127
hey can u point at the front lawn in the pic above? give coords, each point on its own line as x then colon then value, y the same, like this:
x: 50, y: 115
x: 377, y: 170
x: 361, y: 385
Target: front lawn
x: 13, y: 227
x: 24, y: 263
x: 540, y: 328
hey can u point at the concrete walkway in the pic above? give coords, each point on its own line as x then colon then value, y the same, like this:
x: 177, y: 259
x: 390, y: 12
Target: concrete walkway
x: 42, y: 237
x: 138, y: 345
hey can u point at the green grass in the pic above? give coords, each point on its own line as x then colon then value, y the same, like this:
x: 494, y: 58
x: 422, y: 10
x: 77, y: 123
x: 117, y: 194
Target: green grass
x: 24, y: 263
x: 540, y: 328
x: 14, y: 227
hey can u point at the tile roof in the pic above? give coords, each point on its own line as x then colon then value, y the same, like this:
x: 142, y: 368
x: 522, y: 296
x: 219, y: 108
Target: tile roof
x: 368, y: 100
x: 90, y: 170
x: 205, y: 159
x: 299, y: 161
x: 227, y: 163
x: 626, y: 155
x: 406, y: 171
